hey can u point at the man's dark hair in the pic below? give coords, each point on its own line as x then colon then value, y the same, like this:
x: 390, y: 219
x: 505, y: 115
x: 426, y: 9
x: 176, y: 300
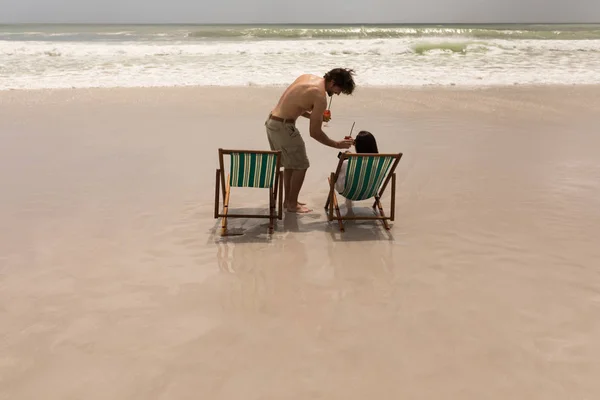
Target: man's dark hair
x: 341, y: 77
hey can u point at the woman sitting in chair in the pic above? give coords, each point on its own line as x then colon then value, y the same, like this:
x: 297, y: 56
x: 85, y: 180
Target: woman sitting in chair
x: 364, y: 143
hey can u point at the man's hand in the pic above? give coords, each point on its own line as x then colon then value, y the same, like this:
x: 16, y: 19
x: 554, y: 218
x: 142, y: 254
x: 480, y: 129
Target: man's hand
x: 344, y: 144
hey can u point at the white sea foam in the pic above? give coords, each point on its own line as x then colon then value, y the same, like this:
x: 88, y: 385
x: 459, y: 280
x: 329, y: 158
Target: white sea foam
x: 378, y: 62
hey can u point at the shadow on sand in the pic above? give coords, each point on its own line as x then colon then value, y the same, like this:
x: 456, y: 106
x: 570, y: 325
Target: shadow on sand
x: 243, y: 230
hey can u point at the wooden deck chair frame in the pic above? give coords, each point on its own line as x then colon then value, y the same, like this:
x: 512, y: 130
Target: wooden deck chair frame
x: 223, y: 185
x: 332, y: 204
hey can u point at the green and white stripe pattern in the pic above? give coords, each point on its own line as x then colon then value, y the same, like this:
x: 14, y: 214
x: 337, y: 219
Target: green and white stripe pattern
x: 252, y: 170
x: 364, y: 176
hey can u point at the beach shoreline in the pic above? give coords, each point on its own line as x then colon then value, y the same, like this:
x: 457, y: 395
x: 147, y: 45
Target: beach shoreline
x: 283, y: 85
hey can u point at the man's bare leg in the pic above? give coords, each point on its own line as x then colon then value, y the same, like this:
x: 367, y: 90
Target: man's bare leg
x: 287, y: 179
x: 287, y: 183
x: 296, y: 181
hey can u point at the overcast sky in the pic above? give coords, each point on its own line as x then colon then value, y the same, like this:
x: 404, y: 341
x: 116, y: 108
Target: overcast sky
x: 299, y: 11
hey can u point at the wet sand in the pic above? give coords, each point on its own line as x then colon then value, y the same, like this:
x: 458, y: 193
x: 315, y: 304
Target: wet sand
x: 115, y: 284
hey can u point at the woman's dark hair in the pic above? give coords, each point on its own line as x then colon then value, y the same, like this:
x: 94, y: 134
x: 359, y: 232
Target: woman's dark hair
x: 341, y: 77
x: 365, y: 143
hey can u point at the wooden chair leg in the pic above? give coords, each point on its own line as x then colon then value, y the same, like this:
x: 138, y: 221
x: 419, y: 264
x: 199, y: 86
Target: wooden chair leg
x: 225, y: 208
x: 385, y: 223
x: 331, y: 196
x: 393, y: 206
x: 280, y: 214
x: 272, y: 211
x: 217, y: 184
x: 329, y: 203
x: 334, y: 204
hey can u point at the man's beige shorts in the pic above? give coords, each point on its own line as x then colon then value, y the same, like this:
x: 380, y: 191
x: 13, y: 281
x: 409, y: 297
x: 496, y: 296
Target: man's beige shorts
x: 286, y: 137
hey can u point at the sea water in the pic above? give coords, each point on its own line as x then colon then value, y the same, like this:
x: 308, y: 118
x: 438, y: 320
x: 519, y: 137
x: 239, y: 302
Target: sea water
x: 82, y: 56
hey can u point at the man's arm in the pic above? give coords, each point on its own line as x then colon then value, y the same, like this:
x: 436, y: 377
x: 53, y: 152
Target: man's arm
x: 316, y: 120
x: 306, y: 114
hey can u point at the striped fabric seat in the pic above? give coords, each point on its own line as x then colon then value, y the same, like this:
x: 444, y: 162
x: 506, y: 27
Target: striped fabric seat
x: 252, y: 170
x: 364, y: 176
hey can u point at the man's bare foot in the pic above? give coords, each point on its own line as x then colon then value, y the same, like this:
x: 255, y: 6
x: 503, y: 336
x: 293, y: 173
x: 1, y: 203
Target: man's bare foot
x: 299, y: 209
x: 285, y: 204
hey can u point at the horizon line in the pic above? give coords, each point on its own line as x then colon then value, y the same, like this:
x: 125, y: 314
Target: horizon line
x: 300, y: 23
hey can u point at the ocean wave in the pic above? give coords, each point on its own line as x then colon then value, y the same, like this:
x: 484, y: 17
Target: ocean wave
x: 53, y: 53
x: 298, y: 32
x: 444, y: 47
x: 404, y: 61
x: 390, y: 33
x: 357, y: 48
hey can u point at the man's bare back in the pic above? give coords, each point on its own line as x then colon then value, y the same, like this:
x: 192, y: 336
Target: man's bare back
x: 300, y: 97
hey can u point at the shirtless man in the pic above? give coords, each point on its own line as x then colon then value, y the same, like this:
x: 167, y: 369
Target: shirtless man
x: 307, y: 97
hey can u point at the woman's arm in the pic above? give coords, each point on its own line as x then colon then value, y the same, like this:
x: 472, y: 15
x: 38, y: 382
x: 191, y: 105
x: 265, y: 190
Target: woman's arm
x: 340, y: 183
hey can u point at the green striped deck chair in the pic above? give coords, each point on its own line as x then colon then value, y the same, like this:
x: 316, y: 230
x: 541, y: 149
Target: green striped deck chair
x: 367, y: 176
x: 254, y: 169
